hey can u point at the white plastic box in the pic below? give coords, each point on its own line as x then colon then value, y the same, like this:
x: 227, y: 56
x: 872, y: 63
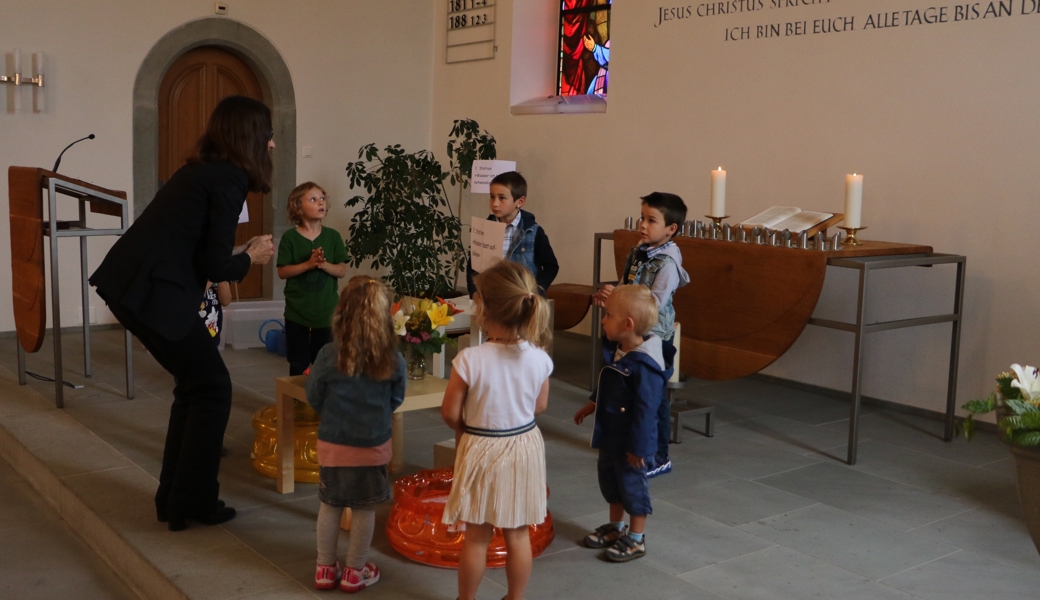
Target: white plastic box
x: 242, y: 321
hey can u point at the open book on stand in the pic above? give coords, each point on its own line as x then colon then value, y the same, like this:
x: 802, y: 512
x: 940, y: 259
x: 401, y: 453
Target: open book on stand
x: 793, y: 219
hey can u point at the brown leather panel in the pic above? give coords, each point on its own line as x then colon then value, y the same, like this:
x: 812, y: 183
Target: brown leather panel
x: 27, y: 283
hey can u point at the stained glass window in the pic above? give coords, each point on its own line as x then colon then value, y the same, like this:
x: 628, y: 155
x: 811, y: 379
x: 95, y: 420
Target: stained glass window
x: 584, y: 47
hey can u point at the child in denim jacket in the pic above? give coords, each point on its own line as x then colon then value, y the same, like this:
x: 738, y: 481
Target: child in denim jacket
x: 355, y: 385
x: 657, y: 263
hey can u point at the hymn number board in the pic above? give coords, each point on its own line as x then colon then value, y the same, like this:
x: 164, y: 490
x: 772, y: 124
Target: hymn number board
x: 471, y: 30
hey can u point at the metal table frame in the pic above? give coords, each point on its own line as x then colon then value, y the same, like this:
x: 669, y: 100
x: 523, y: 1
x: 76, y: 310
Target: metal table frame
x: 55, y: 229
x: 865, y: 266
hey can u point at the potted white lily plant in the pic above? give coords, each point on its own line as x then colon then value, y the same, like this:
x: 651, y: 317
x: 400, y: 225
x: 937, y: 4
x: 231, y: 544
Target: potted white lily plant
x: 1016, y: 402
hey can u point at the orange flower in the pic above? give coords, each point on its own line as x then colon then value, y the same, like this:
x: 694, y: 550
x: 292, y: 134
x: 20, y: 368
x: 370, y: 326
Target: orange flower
x: 452, y: 309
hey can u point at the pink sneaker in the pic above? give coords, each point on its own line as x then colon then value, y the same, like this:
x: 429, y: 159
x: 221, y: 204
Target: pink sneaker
x: 326, y: 576
x: 355, y: 580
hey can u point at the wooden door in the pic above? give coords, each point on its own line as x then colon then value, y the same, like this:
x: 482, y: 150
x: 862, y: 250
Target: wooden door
x: 189, y: 92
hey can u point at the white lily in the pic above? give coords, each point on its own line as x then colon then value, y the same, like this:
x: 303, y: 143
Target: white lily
x: 1027, y: 380
x: 399, y: 321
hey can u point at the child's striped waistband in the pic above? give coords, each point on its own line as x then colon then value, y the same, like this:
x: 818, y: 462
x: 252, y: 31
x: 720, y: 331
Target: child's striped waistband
x: 500, y: 432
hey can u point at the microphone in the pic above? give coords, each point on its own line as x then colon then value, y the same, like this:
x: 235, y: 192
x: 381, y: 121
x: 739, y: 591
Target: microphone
x: 58, y: 162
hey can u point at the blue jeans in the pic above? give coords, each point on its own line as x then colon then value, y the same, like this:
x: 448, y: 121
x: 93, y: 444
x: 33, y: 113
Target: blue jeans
x: 621, y: 483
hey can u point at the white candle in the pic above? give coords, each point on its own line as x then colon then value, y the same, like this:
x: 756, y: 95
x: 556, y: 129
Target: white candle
x: 17, y: 74
x: 41, y: 100
x: 718, y: 193
x: 853, y: 200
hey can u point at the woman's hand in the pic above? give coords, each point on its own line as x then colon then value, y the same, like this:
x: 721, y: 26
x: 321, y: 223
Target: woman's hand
x: 260, y: 249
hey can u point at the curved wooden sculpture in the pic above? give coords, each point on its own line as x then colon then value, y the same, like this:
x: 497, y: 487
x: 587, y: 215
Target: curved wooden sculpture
x: 572, y: 303
x: 745, y: 306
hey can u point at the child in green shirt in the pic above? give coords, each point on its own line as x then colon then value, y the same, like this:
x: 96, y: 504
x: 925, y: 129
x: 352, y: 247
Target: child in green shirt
x: 311, y: 258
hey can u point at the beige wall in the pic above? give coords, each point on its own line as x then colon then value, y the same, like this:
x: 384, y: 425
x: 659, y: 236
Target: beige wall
x: 940, y: 119
x: 356, y: 80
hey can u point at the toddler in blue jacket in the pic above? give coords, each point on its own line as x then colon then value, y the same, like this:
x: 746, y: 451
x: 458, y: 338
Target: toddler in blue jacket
x: 625, y: 403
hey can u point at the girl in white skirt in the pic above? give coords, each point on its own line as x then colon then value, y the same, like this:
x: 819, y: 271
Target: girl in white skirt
x: 494, y: 393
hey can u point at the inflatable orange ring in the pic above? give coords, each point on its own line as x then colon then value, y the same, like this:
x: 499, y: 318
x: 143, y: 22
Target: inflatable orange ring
x: 416, y: 532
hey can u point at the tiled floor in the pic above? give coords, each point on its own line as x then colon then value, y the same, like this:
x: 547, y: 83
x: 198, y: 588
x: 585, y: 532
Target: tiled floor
x: 40, y: 558
x: 764, y: 510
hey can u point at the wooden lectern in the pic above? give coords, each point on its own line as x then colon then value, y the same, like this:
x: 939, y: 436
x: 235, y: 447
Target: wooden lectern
x: 28, y: 227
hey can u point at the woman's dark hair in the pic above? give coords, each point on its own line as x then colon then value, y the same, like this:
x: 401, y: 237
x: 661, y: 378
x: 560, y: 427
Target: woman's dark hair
x: 238, y: 131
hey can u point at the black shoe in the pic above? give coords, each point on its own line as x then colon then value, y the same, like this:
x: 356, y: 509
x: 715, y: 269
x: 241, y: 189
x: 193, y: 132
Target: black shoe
x: 217, y: 515
x: 160, y: 513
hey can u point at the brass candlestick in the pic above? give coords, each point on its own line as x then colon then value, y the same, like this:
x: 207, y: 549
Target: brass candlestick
x: 850, y: 235
x: 717, y: 221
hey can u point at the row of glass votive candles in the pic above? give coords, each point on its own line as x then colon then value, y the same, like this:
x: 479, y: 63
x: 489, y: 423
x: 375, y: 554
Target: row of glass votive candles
x: 762, y: 236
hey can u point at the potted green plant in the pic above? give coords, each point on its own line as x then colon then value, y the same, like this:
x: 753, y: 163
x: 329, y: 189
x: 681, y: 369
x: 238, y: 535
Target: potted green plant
x: 1016, y: 402
x: 406, y: 223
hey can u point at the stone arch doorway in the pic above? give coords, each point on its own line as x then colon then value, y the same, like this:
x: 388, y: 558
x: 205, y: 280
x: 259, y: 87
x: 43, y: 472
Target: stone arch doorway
x: 275, y: 81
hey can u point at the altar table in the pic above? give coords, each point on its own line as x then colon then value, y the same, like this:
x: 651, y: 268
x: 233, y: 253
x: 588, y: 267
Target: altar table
x: 752, y: 301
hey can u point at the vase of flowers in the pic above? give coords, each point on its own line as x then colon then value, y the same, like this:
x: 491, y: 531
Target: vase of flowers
x: 1016, y: 402
x: 418, y: 321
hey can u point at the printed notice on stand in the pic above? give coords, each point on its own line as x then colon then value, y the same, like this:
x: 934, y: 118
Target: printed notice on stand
x: 486, y: 170
x: 485, y: 243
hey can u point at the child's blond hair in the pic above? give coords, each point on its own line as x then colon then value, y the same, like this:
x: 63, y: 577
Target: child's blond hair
x: 295, y: 204
x: 637, y: 303
x: 363, y: 329
x: 509, y: 297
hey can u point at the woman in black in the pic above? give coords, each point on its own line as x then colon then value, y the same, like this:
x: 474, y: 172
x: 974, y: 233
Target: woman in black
x: 154, y: 277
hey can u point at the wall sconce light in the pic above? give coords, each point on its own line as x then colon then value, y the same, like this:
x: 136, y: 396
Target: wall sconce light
x: 36, y: 81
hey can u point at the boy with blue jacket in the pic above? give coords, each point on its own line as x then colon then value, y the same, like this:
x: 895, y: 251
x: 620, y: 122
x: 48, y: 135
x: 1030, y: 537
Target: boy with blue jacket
x: 657, y: 263
x: 625, y: 404
x: 525, y: 242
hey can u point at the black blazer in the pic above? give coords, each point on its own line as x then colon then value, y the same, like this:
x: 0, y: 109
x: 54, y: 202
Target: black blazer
x: 159, y: 267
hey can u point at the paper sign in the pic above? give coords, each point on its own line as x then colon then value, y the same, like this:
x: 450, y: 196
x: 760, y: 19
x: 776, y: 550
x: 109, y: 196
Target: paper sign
x: 485, y: 243
x: 243, y: 217
x: 486, y: 170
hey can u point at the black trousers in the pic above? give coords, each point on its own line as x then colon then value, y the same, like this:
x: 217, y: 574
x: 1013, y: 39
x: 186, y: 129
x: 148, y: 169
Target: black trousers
x: 198, y: 417
x: 302, y: 344
x: 664, y: 415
